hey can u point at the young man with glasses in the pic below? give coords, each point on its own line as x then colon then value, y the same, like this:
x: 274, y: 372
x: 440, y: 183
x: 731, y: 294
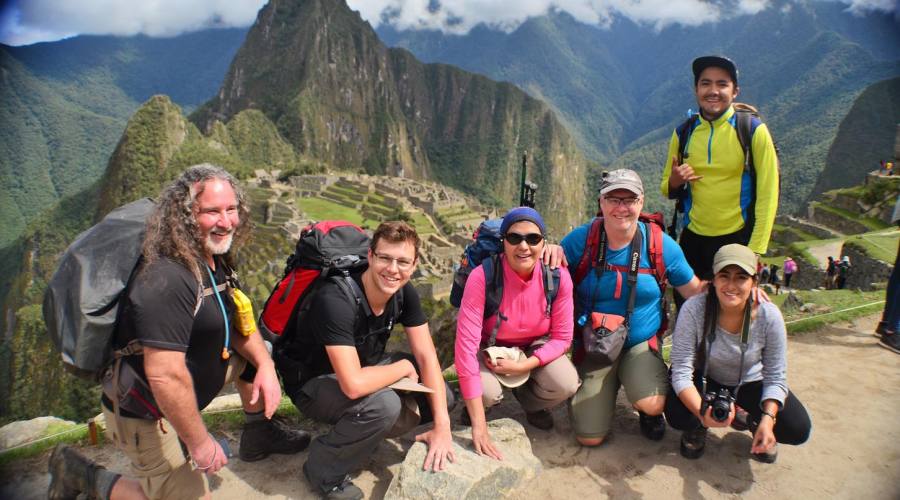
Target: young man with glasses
x: 345, y: 372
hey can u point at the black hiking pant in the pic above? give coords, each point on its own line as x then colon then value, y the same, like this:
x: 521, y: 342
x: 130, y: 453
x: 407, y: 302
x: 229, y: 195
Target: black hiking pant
x: 700, y: 250
x: 793, y: 425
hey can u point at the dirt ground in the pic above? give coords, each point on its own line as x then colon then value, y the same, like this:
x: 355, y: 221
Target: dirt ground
x: 849, y: 384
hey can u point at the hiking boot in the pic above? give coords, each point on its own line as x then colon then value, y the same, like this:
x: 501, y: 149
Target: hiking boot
x: 652, y: 427
x: 693, y: 443
x: 890, y: 341
x: 71, y: 474
x: 542, y: 419
x: 262, y: 438
x: 344, y: 490
x: 767, y: 457
x: 741, y: 421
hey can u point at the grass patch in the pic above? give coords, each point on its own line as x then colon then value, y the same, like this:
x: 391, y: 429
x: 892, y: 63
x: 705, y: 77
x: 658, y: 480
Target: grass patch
x: 880, y: 245
x: 322, y: 209
x: 843, y: 305
x: 871, y: 223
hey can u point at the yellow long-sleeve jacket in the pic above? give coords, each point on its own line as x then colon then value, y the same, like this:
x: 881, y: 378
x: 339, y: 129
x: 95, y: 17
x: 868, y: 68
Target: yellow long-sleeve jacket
x: 718, y: 203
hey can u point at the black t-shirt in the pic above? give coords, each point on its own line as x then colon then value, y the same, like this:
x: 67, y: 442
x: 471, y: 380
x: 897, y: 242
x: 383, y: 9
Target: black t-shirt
x: 334, y: 320
x: 159, y: 311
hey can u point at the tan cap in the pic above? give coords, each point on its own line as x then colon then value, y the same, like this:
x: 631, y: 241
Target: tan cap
x: 622, y: 179
x: 513, y: 353
x: 737, y: 255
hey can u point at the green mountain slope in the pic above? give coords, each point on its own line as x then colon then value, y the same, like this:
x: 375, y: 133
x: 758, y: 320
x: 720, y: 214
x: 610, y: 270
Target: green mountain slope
x: 865, y: 137
x: 64, y: 104
x: 622, y: 89
x: 337, y: 94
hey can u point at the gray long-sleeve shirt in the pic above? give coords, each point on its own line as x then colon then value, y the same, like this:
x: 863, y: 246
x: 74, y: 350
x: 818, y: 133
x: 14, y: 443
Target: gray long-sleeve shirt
x: 765, y: 359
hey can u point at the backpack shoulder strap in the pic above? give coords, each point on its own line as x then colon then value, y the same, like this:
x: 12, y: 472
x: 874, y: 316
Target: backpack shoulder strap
x: 590, y: 253
x: 493, y: 284
x: 684, y: 131
x: 744, y: 126
x: 550, y: 279
x: 655, y: 254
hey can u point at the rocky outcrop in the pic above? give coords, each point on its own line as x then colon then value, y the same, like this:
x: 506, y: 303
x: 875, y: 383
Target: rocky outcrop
x: 471, y: 476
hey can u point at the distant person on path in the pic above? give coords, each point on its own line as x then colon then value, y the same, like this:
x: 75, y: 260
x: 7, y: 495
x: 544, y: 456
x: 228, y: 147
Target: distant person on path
x: 790, y: 267
x: 191, y: 348
x: 639, y: 368
x: 774, y: 280
x: 890, y: 317
x: 764, y: 274
x: 843, y: 271
x: 337, y: 371
x: 726, y: 341
x: 720, y: 204
x: 541, y: 374
x: 830, y: 273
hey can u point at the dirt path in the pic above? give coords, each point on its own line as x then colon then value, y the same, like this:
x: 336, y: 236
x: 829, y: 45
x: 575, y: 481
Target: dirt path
x: 822, y: 252
x: 850, y: 385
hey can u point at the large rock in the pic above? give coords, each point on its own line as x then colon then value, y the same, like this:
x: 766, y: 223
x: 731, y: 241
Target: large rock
x: 471, y: 476
x: 24, y: 431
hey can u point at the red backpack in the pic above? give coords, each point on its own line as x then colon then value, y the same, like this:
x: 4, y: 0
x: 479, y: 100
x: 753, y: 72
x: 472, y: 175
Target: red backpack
x: 325, y: 249
x: 591, y: 256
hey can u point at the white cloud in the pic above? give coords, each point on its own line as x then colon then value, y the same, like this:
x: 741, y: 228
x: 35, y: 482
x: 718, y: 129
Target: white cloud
x: 459, y: 16
x: 26, y: 21
x: 29, y: 21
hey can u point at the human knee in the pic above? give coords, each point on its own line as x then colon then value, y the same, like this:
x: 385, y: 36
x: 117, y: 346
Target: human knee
x: 653, y: 405
x: 590, y: 441
x: 383, y: 407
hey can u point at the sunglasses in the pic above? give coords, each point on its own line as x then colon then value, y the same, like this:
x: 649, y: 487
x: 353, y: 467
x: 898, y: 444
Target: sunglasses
x: 533, y: 239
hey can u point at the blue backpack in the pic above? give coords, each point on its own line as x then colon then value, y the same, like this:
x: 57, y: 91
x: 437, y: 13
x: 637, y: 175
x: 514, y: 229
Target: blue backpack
x: 485, y: 251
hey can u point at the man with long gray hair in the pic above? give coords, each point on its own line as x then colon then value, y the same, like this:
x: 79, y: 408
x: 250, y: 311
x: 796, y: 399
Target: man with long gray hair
x: 181, y: 318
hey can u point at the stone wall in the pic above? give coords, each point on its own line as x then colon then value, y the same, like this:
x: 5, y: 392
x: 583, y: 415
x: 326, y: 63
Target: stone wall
x: 817, y: 231
x: 865, y: 270
x: 808, y: 274
x: 841, y: 224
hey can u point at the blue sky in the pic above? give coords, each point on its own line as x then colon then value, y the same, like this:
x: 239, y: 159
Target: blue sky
x: 24, y: 22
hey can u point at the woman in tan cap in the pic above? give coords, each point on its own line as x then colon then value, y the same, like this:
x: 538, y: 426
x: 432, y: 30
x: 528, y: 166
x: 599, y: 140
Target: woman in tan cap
x: 521, y: 344
x: 729, y: 350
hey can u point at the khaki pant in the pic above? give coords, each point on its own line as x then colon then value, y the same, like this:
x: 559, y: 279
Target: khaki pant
x: 547, y: 385
x: 640, y: 370
x: 157, y: 460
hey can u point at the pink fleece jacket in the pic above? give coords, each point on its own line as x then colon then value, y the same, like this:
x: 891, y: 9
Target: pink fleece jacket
x: 524, y: 305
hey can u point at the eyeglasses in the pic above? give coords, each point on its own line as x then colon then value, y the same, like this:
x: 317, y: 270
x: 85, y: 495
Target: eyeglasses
x: 533, y: 239
x: 387, y: 260
x: 617, y: 202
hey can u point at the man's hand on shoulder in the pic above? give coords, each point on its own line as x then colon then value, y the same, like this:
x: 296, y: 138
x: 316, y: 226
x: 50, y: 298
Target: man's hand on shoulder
x: 440, y: 448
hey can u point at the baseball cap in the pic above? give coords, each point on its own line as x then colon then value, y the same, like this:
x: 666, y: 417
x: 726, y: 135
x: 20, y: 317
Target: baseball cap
x: 520, y: 214
x: 622, y: 179
x: 701, y: 63
x: 736, y: 255
x: 513, y: 353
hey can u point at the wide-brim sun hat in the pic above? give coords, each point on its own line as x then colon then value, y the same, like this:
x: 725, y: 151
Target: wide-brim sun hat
x: 512, y: 353
x: 735, y: 255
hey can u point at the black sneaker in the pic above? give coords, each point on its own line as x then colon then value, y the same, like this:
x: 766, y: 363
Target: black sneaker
x: 652, y: 427
x: 741, y: 420
x: 767, y: 457
x: 71, y: 474
x: 890, y: 341
x: 344, y: 490
x: 542, y: 419
x: 262, y: 438
x: 693, y: 443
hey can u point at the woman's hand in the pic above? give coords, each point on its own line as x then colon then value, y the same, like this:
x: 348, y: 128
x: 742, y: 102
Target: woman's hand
x: 481, y: 440
x: 709, y: 421
x: 764, y: 439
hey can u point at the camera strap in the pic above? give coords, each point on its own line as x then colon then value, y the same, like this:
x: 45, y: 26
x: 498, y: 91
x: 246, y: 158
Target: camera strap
x: 710, y: 336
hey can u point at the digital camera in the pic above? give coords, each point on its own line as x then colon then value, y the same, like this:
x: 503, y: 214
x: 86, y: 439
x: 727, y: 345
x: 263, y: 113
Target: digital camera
x: 720, y: 402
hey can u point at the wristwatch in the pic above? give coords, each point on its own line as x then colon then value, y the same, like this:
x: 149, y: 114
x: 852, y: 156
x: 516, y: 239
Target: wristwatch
x: 770, y: 415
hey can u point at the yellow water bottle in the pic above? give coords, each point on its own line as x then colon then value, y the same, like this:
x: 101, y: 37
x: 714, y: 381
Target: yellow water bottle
x: 246, y: 323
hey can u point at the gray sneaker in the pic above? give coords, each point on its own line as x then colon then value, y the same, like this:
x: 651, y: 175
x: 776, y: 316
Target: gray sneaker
x: 890, y: 341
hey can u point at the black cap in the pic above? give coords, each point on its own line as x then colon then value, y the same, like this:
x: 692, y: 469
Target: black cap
x: 701, y: 63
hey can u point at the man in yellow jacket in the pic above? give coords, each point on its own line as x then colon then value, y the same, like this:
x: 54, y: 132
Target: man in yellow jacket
x: 724, y: 202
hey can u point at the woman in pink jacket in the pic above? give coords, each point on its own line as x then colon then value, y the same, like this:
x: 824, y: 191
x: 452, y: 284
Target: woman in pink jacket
x: 543, y: 334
